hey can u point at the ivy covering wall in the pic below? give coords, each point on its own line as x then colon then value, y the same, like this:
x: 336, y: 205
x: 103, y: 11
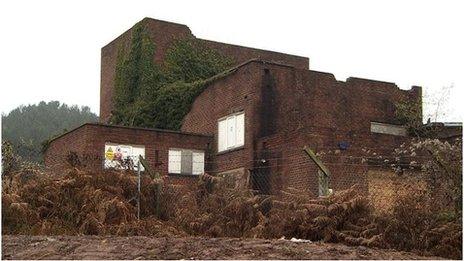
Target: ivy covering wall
x: 159, y: 96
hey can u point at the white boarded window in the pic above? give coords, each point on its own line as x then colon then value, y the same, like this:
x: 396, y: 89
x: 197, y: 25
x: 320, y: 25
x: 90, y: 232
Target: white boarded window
x: 240, y: 130
x: 222, y: 135
x: 383, y: 128
x: 183, y: 161
x: 175, y: 159
x: 198, y: 163
x: 231, y: 132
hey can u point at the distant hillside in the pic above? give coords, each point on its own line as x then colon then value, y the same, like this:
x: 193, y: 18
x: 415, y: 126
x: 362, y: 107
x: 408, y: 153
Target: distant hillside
x: 27, y: 127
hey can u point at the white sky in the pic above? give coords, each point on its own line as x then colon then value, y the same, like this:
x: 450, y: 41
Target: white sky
x: 50, y: 50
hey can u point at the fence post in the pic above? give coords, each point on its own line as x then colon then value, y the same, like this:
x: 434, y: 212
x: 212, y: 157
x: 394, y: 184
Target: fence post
x: 138, y: 189
x: 156, y: 176
x: 323, y: 172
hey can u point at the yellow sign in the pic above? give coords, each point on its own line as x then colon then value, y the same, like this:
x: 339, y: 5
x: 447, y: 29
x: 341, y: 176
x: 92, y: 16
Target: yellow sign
x: 109, y: 154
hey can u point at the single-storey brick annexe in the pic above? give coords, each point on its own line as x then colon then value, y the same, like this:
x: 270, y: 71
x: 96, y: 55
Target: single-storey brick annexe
x: 253, y: 120
x: 88, y: 142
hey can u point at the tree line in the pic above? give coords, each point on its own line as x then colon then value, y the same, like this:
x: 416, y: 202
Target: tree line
x: 28, y: 127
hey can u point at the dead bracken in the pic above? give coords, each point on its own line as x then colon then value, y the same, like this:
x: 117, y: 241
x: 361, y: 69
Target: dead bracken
x: 102, y: 203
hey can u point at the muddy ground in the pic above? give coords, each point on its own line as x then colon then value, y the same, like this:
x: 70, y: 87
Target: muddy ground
x: 98, y: 247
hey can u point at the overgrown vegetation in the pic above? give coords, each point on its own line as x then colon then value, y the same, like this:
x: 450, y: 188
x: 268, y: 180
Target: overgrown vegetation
x: 151, y: 95
x: 418, y: 223
x: 10, y: 161
x: 441, y: 166
x: 102, y: 202
x: 78, y: 202
x: 409, y: 114
x: 27, y: 127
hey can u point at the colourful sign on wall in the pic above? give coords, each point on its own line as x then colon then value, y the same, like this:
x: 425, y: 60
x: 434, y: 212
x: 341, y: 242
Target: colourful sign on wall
x: 121, y: 156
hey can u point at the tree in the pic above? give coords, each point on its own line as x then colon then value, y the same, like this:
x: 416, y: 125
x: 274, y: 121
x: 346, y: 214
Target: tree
x: 27, y: 127
x: 439, y: 160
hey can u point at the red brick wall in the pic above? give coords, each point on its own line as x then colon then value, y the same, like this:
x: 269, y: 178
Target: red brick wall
x: 163, y: 34
x: 316, y: 110
x: 236, y: 92
x: 57, y: 151
x: 315, y: 102
x: 289, y: 108
x: 88, y: 141
x: 242, y: 54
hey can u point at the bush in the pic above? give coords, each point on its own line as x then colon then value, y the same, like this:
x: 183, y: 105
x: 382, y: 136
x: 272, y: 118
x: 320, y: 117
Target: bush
x: 10, y: 161
x: 415, y: 224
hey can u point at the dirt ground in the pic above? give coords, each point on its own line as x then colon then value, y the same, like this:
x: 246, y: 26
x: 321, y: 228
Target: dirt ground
x: 98, y: 247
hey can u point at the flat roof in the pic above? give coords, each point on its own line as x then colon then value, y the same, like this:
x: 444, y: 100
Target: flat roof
x: 132, y: 128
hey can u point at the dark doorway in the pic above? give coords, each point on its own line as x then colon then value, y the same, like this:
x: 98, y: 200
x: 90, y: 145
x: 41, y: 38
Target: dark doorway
x: 261, y: 179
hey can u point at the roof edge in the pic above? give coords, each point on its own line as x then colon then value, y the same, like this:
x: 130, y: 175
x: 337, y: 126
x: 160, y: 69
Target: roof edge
x: 148, y: 129
x: 254, y: 48
x: 233, y: 69
x: 98, y: 124
x: 145, y: 20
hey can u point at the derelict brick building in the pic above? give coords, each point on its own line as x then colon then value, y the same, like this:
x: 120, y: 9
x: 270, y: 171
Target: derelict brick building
x: 164, y: 34
x: 253, y: 120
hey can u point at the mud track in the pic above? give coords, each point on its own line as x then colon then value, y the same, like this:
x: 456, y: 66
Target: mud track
x: 98, y: 247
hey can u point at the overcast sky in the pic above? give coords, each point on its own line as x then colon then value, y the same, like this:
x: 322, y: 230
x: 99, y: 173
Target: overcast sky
x: 50, y: 50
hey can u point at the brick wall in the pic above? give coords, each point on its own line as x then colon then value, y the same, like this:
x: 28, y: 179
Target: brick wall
x: 59, y: 148
x: 236, y: 92
x: 287, y: 108
x: 88, y: 141
x: 164, y: 34
x: 242, y: 54
x: 316, y: 110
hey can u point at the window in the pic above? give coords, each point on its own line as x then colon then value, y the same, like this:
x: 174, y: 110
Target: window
x: 231, y: 132
x: 182, y: 161
x: 383, y: 128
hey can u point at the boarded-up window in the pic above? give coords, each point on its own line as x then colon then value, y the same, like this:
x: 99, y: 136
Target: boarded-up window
x: 198, y: 163
x: 222, y: 135
x: 384, y: 128
x: 175, y: 159
x: 231, y: 132
x: 240, y: 129
x: 183, y: 161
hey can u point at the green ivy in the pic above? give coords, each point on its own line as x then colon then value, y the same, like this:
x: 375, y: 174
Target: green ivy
x: 149, y: 95
x: 189, y: 60
x: 136, y: 76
